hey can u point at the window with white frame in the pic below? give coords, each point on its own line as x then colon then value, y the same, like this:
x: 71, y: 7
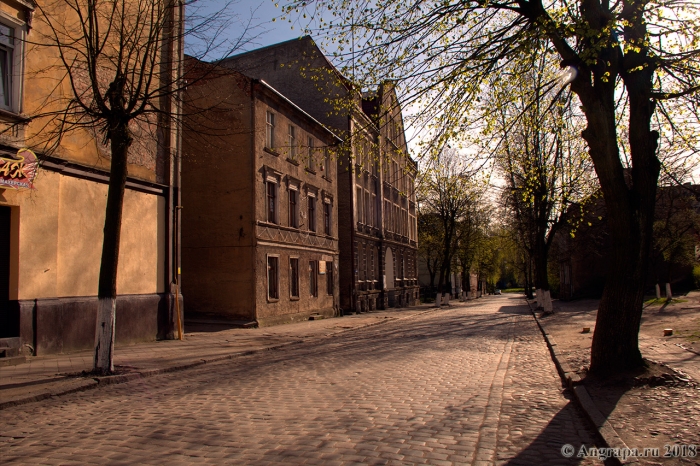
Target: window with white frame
x: 11, y: 63
x: 270, y: 130
x: 7, y: 49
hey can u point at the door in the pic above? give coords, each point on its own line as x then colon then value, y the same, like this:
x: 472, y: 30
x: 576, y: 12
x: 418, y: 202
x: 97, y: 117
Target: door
x: 389, y: 270
x: 9, y: 322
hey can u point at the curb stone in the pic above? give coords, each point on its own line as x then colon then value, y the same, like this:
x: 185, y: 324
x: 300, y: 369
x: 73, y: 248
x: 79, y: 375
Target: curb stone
x: 609, y: 436
x: 76, y: 383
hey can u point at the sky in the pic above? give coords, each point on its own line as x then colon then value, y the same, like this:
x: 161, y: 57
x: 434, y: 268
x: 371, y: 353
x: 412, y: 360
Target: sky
x: 263, y: 16
x: 267, y: 28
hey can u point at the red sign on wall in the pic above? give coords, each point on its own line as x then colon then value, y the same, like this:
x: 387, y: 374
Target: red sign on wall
x: 18, y: 172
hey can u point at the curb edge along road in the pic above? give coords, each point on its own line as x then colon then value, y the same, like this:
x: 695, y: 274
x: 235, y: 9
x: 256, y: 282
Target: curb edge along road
x: 571, y: 380
x: 64, y: 385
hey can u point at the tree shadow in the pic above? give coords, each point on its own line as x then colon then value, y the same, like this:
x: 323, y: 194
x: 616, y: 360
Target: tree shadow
x: 548, y: 447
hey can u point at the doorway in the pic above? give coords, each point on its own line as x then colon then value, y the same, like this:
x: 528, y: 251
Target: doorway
x: 9, y: 317
x: 389, y: 269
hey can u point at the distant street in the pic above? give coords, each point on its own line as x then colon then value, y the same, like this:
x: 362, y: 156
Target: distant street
x: 470, y: 384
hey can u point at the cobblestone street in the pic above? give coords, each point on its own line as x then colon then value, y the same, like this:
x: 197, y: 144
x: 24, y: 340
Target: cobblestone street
x: 465, y: 385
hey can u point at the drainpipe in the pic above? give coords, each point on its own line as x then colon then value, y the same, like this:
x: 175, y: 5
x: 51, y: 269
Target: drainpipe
x: 353, y: 225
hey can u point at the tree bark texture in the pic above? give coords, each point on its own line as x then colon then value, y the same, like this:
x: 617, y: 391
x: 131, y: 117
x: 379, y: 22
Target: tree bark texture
x: 120, y: 139
x: 629, y: 202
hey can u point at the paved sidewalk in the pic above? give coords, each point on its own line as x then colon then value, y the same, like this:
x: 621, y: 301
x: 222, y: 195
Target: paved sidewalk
x: 44, y: 376
x: 663, y: 415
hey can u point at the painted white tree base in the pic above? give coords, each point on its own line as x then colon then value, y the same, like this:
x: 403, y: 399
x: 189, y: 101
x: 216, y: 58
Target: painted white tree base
x: 104, y: 335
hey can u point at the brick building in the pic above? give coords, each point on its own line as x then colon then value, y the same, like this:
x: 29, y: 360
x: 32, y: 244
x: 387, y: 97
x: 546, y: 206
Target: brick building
x: 376, y: 176
x: 260, y: 216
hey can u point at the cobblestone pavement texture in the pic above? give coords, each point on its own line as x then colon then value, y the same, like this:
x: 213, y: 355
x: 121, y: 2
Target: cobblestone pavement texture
x: 197, y: 345
x: 644, y: 416
x: 464, y: 385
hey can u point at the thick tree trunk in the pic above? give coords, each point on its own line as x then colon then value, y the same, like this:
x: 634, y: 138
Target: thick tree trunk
x: 630, y: 211
x: 120, y: 139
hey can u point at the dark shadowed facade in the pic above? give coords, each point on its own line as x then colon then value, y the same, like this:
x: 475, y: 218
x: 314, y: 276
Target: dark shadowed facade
x: 260, y: 216
x: 582, y: 248
x: 376, y: 177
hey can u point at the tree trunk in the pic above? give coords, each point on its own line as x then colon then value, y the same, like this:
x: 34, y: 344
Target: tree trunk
x: 528, y: 282
x: 541, y: 279
x: 120, y: 139
x: 630, y: 211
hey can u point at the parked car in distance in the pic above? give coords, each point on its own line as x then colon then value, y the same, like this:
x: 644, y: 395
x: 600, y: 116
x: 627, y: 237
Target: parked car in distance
x: 496, y: 291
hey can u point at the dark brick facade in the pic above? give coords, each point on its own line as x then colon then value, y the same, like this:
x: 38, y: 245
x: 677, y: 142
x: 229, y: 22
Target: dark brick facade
x: 376, y: 200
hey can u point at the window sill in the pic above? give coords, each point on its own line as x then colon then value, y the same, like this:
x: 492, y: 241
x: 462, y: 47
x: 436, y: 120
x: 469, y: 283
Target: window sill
x: 294, y: 298
x: 271, y: 151
x: 292, y: 161
x: 14, y: 117
x: 326, y: 178
x: 310, y: 170
x: 272, y: 300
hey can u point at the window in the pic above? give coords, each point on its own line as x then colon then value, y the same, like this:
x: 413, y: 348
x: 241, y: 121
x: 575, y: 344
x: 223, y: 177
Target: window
x: 12, y: 33
x: 363, y: 271
x: 375, y: 214
x: 293, y: 210
x: 292, y: 139
x: 7, y: 49
x: 313, y: 277
x: 375, y: 264
x: 329, y: 278
x: 327, y: 163
x: 294, y: 277
x: 270, y: 130
x: 327, y: 218
x: 387, y: 214
x: 310, y: 156
x: 271, y: 202
x: 312, y: 213
x: 365, y: 156
x: 273, y: 277
x: 368, y: 214
x: 358, y: 204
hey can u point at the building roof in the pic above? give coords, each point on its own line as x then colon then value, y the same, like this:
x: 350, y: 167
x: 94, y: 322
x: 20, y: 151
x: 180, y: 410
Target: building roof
x: 285, y: 44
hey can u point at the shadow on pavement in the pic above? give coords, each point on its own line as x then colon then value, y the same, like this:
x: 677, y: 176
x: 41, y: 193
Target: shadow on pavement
x: 549, y: 446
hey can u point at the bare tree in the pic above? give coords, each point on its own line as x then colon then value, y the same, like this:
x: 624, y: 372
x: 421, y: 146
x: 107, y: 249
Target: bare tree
x: 447, y: 188
x: 118, y: 76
